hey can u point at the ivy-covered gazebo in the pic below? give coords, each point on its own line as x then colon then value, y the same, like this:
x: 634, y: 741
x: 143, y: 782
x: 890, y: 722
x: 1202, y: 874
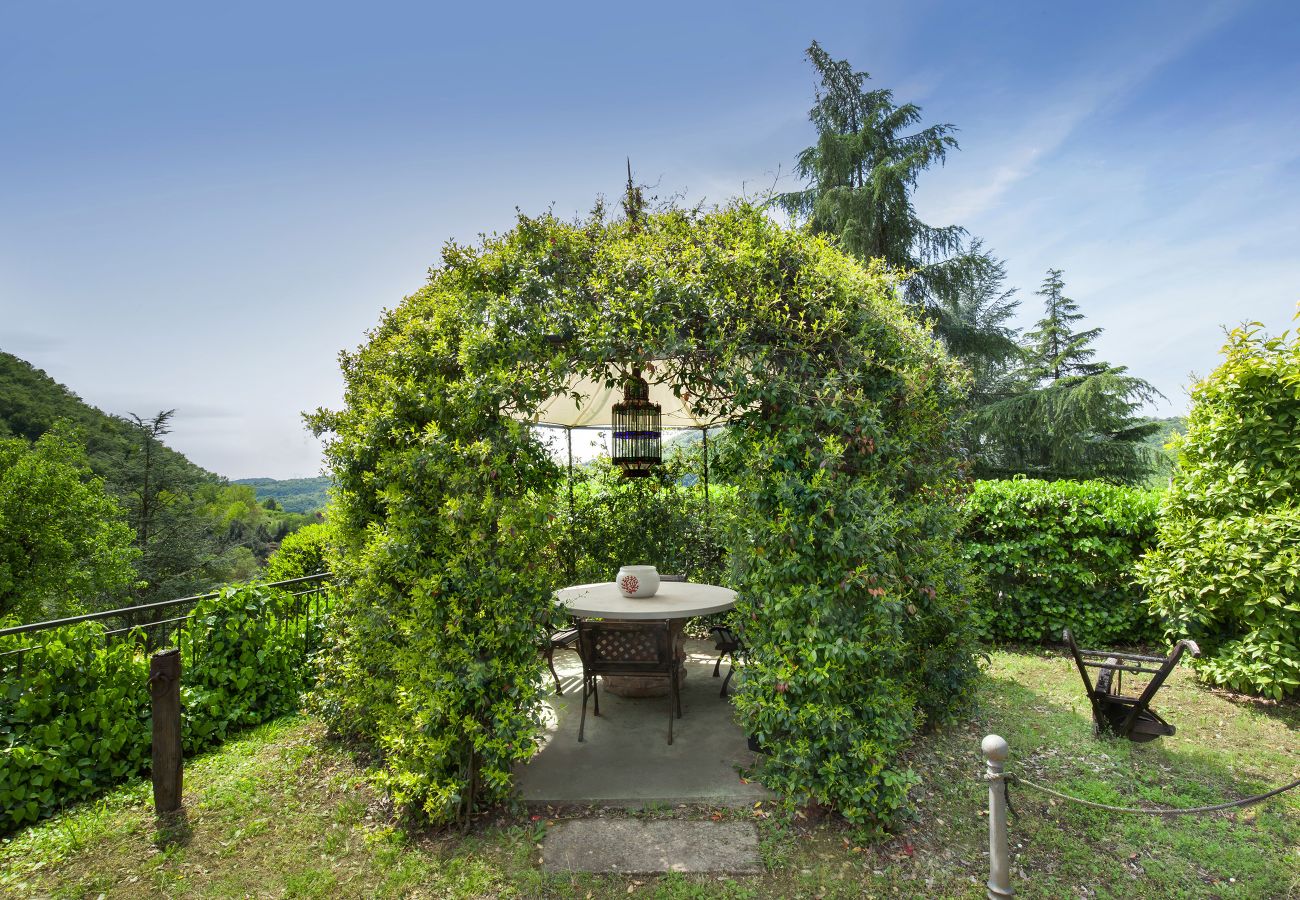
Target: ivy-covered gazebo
x: 449, y: 507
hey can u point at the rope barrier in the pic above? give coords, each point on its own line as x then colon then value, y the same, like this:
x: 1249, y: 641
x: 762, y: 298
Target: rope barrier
x: 996, y: 751
x: 1008, y: 777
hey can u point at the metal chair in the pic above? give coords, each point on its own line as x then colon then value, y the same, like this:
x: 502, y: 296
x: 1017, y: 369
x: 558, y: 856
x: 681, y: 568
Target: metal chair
x: 559, y: 640
x: 1129, y: 717
x: 641, y: 649
x: 726, y: 643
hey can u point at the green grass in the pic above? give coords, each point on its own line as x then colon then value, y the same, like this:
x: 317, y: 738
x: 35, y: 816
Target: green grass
x: 282, y: 813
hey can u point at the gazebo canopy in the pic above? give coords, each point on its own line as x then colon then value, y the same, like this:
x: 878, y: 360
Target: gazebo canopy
x: 595, y: 402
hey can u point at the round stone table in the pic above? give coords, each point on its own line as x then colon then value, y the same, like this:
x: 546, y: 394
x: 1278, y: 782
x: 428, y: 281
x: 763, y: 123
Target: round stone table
x: 675, y: 601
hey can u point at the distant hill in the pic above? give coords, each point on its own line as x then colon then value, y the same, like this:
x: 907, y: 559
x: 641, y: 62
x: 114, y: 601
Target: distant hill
x: 300, y: 495
x: 31, y: 402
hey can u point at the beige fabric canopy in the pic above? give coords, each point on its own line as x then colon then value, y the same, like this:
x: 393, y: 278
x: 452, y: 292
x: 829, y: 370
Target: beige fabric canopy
x: 593, y: 408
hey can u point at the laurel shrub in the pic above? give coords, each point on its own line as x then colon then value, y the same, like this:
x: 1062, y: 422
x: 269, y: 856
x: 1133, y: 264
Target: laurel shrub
x: 1057, y: 554
x: 1226, y: 567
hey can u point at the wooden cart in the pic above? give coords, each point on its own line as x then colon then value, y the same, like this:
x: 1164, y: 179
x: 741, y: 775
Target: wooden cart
x: 1114, y: 713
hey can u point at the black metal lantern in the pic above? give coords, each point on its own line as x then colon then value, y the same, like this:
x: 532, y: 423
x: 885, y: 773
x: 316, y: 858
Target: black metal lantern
x: 636, y: 429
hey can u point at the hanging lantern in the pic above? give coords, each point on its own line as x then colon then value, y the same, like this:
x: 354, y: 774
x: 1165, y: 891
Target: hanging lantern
x: 636, y: 429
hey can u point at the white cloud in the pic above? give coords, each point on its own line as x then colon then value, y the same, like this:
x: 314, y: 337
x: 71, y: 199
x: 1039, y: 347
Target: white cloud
x: 998, y: 167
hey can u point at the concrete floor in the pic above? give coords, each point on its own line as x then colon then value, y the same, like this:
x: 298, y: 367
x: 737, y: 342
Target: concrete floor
x: 626, y: 760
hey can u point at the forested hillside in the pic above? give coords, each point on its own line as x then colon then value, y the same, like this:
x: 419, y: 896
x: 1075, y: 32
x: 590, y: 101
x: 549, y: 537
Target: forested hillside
x: 97, y: 512
x: 31, y: 402
x: 298, y: 495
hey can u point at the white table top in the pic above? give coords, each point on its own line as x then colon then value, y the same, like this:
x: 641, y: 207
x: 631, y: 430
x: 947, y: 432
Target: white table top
x: 673, y: 600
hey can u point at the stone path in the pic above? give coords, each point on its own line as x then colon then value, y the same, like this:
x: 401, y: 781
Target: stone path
x: 635, y: 847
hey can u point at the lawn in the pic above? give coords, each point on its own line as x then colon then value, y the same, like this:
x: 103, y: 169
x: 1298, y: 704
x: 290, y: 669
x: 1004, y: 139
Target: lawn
x: 281, y: 812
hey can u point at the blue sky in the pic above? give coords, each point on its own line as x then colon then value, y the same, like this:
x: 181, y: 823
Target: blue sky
x: 201, y: 207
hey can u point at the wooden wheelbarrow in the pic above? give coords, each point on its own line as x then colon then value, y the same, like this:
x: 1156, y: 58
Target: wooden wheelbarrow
x: 1112, y: 712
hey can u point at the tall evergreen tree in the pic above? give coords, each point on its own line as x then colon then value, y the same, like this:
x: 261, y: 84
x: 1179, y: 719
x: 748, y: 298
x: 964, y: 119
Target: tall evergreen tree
x: 860, y: 176
x: 179, y: 552
x: 1068, y: 416
x: 978, y: 311
x: 1056, y: 349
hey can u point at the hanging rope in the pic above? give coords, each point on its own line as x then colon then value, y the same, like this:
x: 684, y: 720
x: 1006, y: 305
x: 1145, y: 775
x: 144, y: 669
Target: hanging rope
x: 1007, y: 778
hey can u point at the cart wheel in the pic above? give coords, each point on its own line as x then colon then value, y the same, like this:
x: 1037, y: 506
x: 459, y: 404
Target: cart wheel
x: 1107, y: 684
x: 1106, y: 678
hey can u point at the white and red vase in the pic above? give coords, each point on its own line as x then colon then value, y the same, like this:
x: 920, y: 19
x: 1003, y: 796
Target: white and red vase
x: 637, y: 582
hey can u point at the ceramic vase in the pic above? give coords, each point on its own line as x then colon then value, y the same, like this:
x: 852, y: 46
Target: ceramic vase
x: 637, y: 582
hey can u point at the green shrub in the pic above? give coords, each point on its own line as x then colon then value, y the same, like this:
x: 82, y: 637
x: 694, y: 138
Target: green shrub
x: 672, y: 528
x: 1226, y: 569
x: 245, y: 663
x: 1056, y: 554
x: 75, y: 717
x: 74, y: 721
x: 304, y: 552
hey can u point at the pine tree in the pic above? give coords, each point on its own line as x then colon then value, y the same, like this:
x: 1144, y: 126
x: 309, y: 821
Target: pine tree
x: 1066, y: 416
x: 860, y: 176
x: 179, y: 553
x: 978, y: 310
x: 1056, y: 349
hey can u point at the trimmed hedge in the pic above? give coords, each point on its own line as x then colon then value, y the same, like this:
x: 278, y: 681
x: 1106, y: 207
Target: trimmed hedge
x: 1060, y: 553
x: 75, y: 719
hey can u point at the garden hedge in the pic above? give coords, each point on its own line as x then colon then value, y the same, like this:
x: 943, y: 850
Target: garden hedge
x: 1052, y: 554
x: 1226, y: 568
x: 75, y: 717
x: 842, y: 546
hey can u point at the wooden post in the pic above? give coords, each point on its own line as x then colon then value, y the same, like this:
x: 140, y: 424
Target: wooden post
x: 165, y: 697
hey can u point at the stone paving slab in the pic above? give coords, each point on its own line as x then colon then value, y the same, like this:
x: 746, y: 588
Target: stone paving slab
x: 626, y: 759
x: 636, y: 847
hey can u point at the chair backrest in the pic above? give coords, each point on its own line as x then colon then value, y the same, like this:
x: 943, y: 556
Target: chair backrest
x: 663, y: 578
x: 633, y: 648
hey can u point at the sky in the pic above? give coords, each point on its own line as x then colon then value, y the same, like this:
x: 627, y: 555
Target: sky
x: 200, y: 206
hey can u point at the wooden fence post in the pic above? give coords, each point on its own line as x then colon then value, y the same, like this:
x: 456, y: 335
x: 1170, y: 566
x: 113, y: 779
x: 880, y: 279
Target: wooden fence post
x: 165, y: 697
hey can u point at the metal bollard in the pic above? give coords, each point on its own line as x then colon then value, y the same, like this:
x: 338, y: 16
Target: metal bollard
x: 996, y: 752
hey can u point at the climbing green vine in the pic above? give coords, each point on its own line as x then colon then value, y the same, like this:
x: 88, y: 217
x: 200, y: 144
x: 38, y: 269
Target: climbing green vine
x: 841, y: 545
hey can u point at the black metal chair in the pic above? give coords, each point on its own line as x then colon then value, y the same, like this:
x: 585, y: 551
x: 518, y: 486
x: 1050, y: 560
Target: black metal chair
x: 1112, y: 712
x: 726, y: 643
x: 566, y: 639
x: 640, y: 649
